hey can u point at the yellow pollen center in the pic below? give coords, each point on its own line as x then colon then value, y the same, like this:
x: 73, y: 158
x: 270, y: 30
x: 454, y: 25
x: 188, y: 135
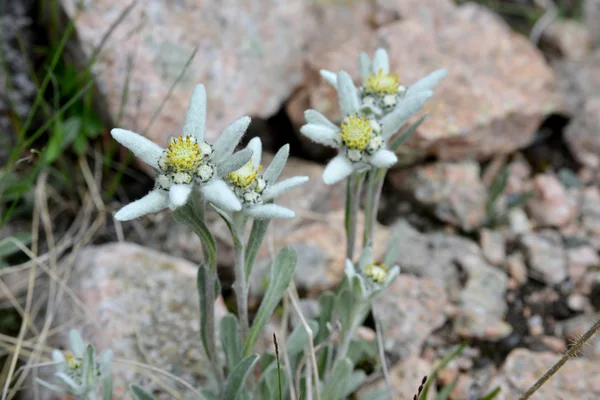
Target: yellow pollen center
x: 244, y: 176
x: 381, y: 83
x: 183, y: 154
x: 377, y: 272
x: 356, y: 132
x: 72, y: 362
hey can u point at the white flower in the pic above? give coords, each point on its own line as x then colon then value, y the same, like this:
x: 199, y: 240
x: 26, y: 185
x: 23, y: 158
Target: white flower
x: 80, y: 371
x: 255, y: 191
x: 381, y: 91
x: 359, y: 140
x: 187, y: 163
x: 367, y: 278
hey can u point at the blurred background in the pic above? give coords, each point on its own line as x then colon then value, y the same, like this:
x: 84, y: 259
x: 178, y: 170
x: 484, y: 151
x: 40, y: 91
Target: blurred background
x: 496, y: 197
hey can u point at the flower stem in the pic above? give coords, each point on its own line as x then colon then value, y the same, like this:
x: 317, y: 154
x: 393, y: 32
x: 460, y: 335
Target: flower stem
x: 573, y: 351
x: 241, y: 291
x: 241, y: 282
x: 353, y: 193
x: 373, y: 197
x: 358, y: 316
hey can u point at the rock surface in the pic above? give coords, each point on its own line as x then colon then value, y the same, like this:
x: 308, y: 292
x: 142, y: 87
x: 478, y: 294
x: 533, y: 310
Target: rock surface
x: 453, y: 192
x: 546, y: 256
x: 143, y: 305
x: 551, y: 206
x: 577, y: 379
x: 409, y: 311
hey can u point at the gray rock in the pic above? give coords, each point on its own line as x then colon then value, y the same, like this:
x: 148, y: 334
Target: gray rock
x: 590, y: 209
x: 551, y: 205
x: 518, y: 221
x: 573, y: 328
x: 545, y: 255
x: 577, y: 379
x: 482, y: 305
x: 409, y: 311
x: 144, y: 306
x: 493, y: 246
x: 453, y: 192
x: 251, y: 55
x: 582, y: 135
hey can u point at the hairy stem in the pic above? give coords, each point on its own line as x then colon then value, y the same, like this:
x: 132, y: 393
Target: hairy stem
x: 381, y: 350
x: 353, y: 192
x: 241, y: 291
x: 358, y: 316
x: 241, y: 280
x: 211, y: 345
x: 573, y: 351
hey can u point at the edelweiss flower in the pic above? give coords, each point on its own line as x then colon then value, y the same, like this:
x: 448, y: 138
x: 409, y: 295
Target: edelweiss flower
x: 79, y: 371
x: 367, y: 278
x: 187, y: 163
x: 255, y: 190
x: 360, y: 140
x: 381, y: 91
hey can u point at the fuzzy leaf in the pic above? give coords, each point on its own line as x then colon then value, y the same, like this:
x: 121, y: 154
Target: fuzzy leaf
x: 405, y: 109
x: 299, y: 338
x: 139, y: 393
x: 234, y: 162
x: 274, y: 169
x: 259, y: 229
x: 338, y: 381
x: 231, y: 340
x: 237, y: 377
x: 404, y: 136
x: 281, y: 275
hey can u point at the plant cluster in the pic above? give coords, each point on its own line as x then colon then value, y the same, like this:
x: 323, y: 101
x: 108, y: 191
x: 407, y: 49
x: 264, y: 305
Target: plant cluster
x: 319, y: 358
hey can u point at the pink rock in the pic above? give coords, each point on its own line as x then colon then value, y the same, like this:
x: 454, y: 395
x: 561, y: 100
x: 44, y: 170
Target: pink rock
x: 551, y: 205
x: 577, y: 379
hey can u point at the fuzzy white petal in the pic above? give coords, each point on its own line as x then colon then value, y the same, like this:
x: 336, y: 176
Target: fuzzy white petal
x: 315, y: 117
x: 320, y: 134
x: 229, y: 139
x: 277, y: 164
x: 383, y: 159
x: 195, y: 118
x: 381, y: 61
x: 220, y: 194
x: 256, y: 146
x: 347, y: 94
x: 364, y: 65
x: 406, y: 108
x: 145, y: 149
x: 428, y: 82
x: 58, y: 356
x: 337, y: 169
x: 330, y: 77
x: 269, y: 211
x: 178, y: 195
x: 282, y: 187
x: 153, y: 202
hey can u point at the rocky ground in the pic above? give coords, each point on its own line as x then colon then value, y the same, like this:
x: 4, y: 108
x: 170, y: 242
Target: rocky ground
x: 511, y: 269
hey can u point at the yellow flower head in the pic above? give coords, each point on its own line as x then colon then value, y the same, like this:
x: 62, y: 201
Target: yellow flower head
x: 381, y: 83
x: 72, y: 362
x: 244, y: 176
x: 377, y: 272
x: 183, y: 154
x: 356, y: 132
